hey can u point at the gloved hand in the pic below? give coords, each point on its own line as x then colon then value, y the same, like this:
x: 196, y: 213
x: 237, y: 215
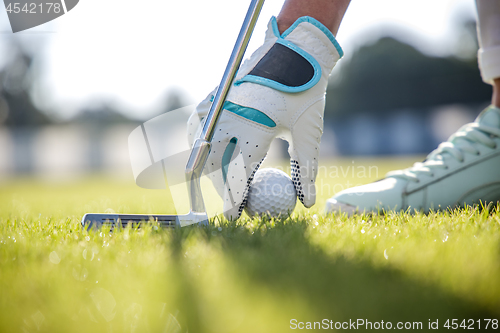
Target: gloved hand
x: 278, y: 92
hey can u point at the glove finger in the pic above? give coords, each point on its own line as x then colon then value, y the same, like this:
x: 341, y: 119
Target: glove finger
x: 304, y: 152
x: 238, y: 147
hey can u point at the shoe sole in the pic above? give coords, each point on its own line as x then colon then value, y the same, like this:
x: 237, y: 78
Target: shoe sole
x: 333, y: 206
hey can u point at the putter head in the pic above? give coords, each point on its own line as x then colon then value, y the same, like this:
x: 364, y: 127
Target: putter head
x: 97, y: 221
x: 197, y: 213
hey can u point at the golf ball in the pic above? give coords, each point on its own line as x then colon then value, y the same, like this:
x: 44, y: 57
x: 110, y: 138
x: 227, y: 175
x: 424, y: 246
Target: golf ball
x: 271, y: 193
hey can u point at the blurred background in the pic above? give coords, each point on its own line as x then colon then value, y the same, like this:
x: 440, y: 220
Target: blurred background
x: 72, y: 90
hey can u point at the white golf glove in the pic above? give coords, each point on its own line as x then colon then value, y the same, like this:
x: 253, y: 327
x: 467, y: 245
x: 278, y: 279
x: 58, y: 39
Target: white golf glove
x: 278, y: 92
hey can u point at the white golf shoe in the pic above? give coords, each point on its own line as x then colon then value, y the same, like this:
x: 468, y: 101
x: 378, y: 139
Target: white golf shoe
x: 464, y: 170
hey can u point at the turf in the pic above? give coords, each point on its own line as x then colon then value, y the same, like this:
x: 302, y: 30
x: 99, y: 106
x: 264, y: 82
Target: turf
x: 248, y: 276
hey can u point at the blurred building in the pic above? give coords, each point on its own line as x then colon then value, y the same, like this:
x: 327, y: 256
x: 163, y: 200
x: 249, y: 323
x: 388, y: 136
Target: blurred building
x: 62, y: 151
x: 390, y: 98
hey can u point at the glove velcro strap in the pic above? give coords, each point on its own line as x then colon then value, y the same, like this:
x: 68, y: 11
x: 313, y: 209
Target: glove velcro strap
x: 285, y: 67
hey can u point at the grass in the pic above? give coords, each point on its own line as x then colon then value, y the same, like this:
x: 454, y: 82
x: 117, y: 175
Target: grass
x: 248, y: 276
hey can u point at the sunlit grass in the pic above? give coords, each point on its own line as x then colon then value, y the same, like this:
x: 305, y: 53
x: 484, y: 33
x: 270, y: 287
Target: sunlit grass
x: 249, y: 276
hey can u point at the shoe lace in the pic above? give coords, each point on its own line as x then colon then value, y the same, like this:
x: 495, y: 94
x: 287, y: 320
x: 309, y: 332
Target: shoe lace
x: 468, y: 137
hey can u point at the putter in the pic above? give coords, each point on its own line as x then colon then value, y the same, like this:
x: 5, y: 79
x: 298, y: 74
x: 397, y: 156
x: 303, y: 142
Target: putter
x: 199, y: 151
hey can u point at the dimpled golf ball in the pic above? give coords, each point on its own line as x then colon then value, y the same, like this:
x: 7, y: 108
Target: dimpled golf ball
x: 271, y: 193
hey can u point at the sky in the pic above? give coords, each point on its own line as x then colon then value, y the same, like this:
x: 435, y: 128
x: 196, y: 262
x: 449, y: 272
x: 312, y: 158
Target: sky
x: 131, y: 53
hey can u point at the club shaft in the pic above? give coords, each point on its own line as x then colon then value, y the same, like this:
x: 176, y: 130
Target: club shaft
x: 231, y: 69
x: 201, y: 147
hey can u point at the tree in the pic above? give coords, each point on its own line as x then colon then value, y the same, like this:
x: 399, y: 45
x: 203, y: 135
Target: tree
x: 16, y: 106
x: 390, y: 75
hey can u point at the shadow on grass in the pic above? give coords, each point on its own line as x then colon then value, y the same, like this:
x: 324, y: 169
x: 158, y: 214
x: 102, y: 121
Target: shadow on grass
x: 284, y: 261
x: 338, y: 288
